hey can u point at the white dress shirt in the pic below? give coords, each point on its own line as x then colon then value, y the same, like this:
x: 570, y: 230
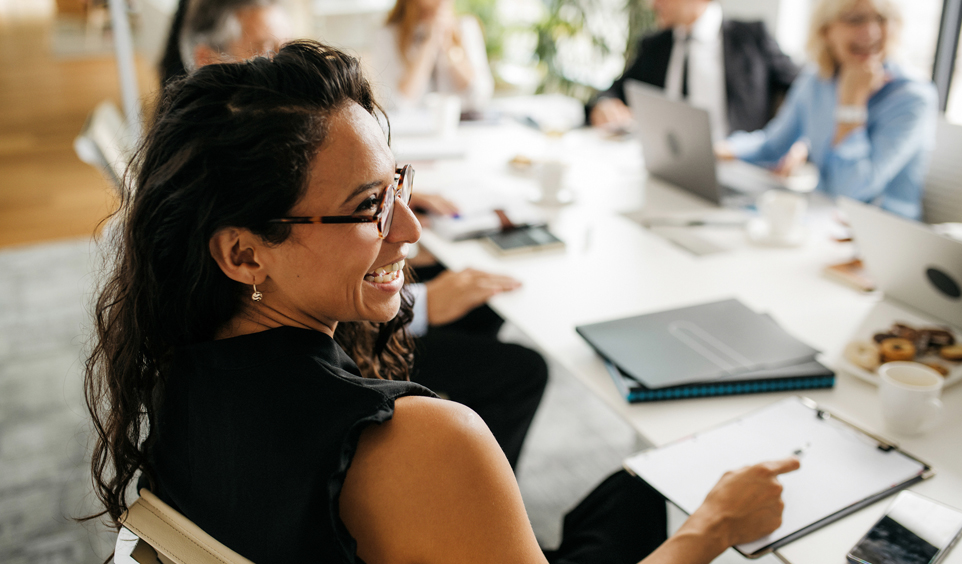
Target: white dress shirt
x: 419, y: 324
x: 706, y: 68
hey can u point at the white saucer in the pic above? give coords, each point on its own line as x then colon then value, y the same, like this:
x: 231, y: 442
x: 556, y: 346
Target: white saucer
x: 758, y: 233
x: 564, y: 197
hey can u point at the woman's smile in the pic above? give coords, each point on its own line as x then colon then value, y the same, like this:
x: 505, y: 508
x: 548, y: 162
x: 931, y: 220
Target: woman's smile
x: 388, y: 278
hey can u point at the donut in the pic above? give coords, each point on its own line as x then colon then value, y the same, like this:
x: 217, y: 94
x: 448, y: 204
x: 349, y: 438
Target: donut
x: 863, y: 354
x: 904, y: 331
x: 953, y: 353
x: 897, y: 349
x: 879, y: 337
x: 937, y: 337
x: 938, y: 368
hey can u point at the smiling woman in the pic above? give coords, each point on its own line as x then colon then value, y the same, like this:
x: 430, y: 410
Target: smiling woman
x: 866, y: 124
x: 233, y: 147
x: 269, y: 211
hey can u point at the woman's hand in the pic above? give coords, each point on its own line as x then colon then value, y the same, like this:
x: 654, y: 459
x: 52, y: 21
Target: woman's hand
x: 794, y: 158
x: 745, y: 504
x: 434, y: 204
x: 451, y: 295
x: 610, y: 113
x: 446, y: 24
x: 723, y: 151
x: 857, y: 81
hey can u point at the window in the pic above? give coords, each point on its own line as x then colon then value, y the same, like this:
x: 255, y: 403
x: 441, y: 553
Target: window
x: 953, y: 109
x: 920, y: 34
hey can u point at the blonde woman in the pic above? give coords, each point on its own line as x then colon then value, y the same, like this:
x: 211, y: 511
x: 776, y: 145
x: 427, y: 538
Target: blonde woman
x: 426, y: 48
x: 854, y: 113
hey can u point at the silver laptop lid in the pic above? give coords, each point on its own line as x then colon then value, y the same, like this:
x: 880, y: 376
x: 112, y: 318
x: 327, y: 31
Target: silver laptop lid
x: 909, y: 262
x: 675, y: 140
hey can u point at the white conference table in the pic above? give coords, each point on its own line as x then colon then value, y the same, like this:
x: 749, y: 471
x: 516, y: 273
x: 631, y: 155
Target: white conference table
x: 612, y: 267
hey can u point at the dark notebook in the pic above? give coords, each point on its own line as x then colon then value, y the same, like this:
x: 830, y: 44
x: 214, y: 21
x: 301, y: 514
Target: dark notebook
x: 696, y: 345
x: 807, y: 376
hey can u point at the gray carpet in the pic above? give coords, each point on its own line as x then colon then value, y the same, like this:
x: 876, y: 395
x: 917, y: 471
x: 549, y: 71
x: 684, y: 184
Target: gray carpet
x: 44, y: 436
x: 43, y: 425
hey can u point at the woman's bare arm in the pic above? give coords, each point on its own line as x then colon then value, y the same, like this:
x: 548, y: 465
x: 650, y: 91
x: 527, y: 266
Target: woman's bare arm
x: 433, y: 486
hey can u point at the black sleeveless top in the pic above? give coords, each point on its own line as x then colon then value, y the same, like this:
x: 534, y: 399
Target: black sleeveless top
x: 254, y: 438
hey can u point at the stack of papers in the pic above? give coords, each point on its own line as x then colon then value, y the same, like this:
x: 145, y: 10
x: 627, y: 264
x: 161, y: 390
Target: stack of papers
x: 719, y: 348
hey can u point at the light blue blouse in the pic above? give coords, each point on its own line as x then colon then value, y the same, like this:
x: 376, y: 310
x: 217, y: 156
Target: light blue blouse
x: 884, y: 162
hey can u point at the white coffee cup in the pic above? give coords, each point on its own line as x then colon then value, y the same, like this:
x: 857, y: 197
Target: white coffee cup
x: 783, y: 213
x: 552, y: 181
x: 909, y: 394
x: 447, y: 113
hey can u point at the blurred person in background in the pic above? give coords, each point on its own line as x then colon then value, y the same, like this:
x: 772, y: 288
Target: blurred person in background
x: 734, y: 70
x: 854, y: 113
x: 424, y: 48
x: 457, y: 351
x: 212, y: 31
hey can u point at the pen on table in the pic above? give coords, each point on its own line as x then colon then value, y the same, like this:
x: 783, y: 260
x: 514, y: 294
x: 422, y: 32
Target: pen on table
x: 693, y: 223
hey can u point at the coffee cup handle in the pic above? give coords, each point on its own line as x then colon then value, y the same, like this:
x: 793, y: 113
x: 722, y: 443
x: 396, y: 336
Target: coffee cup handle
x: 935, y: 413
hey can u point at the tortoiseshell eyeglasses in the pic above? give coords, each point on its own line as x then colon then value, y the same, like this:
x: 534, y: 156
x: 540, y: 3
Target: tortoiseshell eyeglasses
x: 384, y: 215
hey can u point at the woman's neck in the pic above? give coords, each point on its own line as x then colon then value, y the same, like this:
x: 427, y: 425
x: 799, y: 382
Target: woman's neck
x: 248, y: 322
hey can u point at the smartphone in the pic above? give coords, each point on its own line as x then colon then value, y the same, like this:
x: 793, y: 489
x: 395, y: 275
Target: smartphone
x: 522, y: 239
x: 914, y: 530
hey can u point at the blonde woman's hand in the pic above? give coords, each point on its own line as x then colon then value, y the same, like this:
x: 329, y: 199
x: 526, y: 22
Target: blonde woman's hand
x: 858, y: 81
x: 723, y: 151
x: 796, y: 156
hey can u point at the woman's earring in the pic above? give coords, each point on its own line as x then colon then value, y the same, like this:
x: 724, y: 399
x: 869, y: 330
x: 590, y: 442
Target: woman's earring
x: 256, y: 296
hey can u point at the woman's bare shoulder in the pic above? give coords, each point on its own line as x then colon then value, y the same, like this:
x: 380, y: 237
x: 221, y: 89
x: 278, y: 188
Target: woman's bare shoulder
x: 432, y: 485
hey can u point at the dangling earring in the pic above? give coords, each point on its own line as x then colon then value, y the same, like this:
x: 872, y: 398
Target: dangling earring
x: 256, y: 296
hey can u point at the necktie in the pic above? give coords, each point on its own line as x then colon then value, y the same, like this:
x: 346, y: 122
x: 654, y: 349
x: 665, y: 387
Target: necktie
x: 684, y: 68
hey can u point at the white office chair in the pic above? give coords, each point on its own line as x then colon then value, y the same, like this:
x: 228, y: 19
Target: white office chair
x: 154, y: 533
x: 942, y: 199
x: 104, y: 142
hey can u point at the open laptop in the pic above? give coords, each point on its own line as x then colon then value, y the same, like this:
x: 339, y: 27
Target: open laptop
x: 909, y: 261
x: 676, y: 143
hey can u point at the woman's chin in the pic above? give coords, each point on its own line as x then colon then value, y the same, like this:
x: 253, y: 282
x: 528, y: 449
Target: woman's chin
x: 381, y: 312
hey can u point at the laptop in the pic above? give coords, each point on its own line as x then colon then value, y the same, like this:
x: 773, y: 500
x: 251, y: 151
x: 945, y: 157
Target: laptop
x: 676, y: 143
x: 909, y: 261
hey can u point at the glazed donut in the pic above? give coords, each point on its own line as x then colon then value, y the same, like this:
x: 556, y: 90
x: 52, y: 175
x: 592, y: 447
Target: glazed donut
x: 897, y: 349
x: 863, y: 354
x: 953, y: 353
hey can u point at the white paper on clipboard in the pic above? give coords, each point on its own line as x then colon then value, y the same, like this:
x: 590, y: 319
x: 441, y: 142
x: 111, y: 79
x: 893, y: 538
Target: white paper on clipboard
x: 841, y: 466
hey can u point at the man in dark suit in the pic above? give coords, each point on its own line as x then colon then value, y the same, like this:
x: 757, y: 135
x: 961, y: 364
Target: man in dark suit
x: 733, y: 69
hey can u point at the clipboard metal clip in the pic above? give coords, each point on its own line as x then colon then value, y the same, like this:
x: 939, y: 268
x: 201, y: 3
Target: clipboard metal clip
x: 884, y: 444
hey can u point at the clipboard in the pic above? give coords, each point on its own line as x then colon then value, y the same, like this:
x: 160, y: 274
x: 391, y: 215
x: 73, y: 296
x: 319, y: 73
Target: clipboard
x: 843, y: 467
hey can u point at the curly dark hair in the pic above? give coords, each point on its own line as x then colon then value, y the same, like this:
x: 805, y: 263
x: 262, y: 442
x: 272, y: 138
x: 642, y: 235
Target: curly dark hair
x: 231, y: 146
